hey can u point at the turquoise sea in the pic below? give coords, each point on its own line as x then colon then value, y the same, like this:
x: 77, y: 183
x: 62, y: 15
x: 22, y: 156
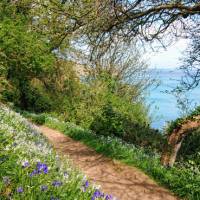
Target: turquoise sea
x: 163, y: 106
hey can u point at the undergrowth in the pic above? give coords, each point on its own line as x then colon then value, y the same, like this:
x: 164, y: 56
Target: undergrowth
x: 30, y: 169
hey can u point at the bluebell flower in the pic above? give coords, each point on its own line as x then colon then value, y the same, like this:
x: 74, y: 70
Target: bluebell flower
x: 97, y: 194
x: 86, y: 184
x: 20, y: 190
x: 41, y: 167
x: 108, y: 197
x: 34, y: 172
x: 66, y: 175
x: 44, y: 188
x: 25, y: 164
x: 56, y: 183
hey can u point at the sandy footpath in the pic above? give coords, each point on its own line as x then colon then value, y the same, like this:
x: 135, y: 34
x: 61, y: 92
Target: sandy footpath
x: 124, y: 182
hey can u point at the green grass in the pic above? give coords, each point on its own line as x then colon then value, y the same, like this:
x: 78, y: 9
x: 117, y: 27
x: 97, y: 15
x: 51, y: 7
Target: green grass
x: 28, y: 163
x: 182, y: 181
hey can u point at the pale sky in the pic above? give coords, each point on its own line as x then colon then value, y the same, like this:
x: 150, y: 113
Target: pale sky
x: 167, y: 58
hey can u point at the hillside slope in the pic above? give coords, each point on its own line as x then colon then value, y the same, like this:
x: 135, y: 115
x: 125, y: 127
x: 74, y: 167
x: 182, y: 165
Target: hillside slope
x: 30, y: 169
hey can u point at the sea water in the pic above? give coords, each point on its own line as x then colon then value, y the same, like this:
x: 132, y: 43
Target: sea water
x: 163, y: 106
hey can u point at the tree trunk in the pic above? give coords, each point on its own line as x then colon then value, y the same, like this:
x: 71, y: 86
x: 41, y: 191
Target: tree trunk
x: 175, y: 140
x: 174, y: 153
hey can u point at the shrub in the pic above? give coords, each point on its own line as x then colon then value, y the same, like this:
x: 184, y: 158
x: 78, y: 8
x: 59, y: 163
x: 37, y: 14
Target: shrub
x: 116, y: 124
x: 39, y: 119
x: 108, y: 123
x: 107, y: 108
x: 190, y: 149
x: 38, y: 100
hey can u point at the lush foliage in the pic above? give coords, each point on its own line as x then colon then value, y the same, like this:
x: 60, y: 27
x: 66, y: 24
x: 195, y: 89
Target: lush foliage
x: 30, y: 169
x: 182, y: 180
x: 36, y: 78
x: 119, y: 124
x: 106, y: 106
x: 189, y: 154
x: 176, y: 124
x: 41, y: 70
x: 24, y: 56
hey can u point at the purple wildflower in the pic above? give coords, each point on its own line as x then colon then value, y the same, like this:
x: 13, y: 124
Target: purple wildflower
x: 34, y: 172
x: 65, y: 174
x: 97, y: 194
x: 109, y: 197
x: 41, y: 167
x: 56, y: 183
x: 25, y: 164
x: 86, y: 184
x: 20, y: 190
x: 44, y: 188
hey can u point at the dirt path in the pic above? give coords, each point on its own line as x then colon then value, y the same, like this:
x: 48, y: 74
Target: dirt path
x: 124, y: 182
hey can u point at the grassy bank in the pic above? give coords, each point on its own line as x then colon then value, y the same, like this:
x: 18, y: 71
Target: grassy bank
x: 30, y: 169
x: 182, y: 181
